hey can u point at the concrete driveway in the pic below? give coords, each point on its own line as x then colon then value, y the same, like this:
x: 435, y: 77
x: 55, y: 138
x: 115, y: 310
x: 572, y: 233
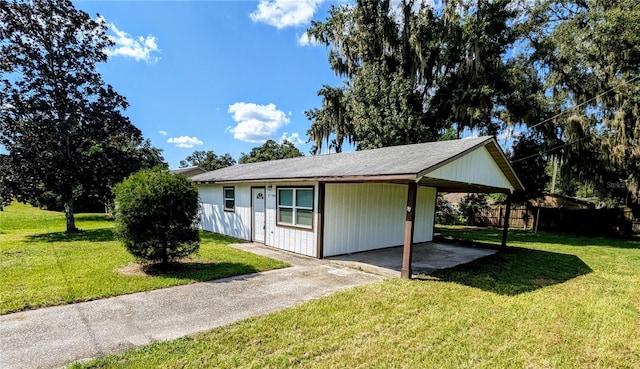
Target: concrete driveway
x: 56, y: 336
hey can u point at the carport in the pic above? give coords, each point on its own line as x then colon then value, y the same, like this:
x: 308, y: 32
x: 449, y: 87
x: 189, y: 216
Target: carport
x: 479, y: 168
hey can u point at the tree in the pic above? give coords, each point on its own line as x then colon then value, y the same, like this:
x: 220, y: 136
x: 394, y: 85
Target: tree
x: 530, y: 165
x: 6, y: 182
x: 62, y: 125
x: 156, y: 214
x: 588, y: 55
x: 271, y: 150
x: 413, y: 72
x: 207, y: 160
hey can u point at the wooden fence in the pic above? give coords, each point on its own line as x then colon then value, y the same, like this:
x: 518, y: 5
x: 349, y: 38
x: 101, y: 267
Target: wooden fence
x: 616, y: 221
x: 520, y: 217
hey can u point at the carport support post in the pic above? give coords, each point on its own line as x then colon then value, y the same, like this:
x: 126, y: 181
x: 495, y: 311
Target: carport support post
x: 505, y: 228
x: 405, y: 272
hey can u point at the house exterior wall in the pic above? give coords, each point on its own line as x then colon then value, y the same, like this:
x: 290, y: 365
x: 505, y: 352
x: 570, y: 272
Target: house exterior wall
x: 213, y: 218
x: 301, y: 241
x: 368, y: 216
x: 238, y: 223
x: 476, y: 167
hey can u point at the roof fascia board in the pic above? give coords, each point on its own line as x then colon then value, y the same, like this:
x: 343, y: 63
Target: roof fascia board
x: 372, y: 178
x: 504, y: 158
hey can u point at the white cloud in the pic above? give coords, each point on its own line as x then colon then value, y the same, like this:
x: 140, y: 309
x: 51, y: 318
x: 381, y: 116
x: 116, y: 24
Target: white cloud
x: 306, y: 40
x: 185, y: 141
x: 164, y: 133
x: 294, y: 137
x: 138, y: 48
x: 256, y: 123
x: 285, y: 13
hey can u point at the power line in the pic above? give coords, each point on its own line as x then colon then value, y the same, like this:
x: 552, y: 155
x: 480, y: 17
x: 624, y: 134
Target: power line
x: 571, y: 108
x: 586, y: 102
x: 549, y: 150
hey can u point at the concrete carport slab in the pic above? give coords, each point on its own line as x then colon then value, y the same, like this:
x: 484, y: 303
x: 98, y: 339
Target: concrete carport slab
x: 427, y: 258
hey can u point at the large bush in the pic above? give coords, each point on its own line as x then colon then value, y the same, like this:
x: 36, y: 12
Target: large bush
x: 445, y: 213
x: 472, y: 204
x: 156, y: 215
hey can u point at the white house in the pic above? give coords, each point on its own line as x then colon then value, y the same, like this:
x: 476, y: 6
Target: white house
x: 349, y: 202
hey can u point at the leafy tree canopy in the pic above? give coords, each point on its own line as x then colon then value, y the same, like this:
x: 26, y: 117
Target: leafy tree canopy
x: 588, y: 54
x: 207, y: 160
x: 62, y: 125
x: 530, y: 166
x: 271, y: 150
x: 413, y: 72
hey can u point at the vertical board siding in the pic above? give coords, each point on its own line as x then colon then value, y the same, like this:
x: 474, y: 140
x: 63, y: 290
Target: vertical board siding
x: 301, y: 241
x: 477, y: 167
x: 360, y: 217
x: 238, y: 224
x: 213, y: 218
x: 425, y: 211
x: 368, y: 216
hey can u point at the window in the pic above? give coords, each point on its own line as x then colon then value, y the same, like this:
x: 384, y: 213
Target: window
x: 229, y: 198
x: 295, y: 207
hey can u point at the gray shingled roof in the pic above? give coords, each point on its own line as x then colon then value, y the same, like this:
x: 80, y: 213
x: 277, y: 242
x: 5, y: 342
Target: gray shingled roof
x: 188, y: 170
x: 405, y: 161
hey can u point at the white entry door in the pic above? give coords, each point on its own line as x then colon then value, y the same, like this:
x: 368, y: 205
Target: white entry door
x: 258, y: 205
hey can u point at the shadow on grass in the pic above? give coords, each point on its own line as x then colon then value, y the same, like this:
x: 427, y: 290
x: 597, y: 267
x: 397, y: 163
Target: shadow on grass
x: 217, y: 237
x: 514, y: 271
x: 92, y: 235
x: 95, y: 218
x: 493, y: 236
x: 198, y: 271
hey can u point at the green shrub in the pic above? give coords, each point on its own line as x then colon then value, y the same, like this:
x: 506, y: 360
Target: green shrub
x: 472, y: 204
x: 156, y: 215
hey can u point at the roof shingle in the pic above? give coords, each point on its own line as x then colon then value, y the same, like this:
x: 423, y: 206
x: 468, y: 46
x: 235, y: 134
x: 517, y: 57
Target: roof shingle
x: 407, y: 161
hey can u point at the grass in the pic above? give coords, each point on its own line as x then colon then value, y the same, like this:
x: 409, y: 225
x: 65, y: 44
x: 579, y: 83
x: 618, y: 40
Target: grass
x: 41, y: 265
x: 549, y: 301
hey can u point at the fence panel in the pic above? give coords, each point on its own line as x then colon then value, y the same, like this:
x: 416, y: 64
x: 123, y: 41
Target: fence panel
x: 616, y: 221
x: 520, y: 217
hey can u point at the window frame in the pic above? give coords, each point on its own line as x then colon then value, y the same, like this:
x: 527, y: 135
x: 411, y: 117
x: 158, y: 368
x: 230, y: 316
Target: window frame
x: 295, y: 207
x: 225, y: 199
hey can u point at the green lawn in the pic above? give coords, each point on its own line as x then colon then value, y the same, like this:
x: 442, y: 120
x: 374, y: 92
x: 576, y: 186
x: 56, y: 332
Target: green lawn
x: 548, y: 301
x: 41, y: 265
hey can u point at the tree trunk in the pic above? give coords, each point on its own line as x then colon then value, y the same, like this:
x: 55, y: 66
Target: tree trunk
x: 68, y: 213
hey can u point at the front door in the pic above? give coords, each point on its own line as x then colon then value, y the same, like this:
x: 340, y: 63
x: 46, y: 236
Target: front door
x: 258, y: 221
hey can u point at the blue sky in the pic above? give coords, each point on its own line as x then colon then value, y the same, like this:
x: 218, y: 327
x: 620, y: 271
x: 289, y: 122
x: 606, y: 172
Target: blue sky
x: 215, y: 75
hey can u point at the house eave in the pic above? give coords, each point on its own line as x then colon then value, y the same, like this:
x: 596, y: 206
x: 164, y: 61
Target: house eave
x: 394, y: 178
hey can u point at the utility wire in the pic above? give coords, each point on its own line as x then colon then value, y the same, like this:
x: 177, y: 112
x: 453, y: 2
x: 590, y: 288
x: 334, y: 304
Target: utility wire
x: 571, y: 108
x: 549, y: 150
x: 586, y: 102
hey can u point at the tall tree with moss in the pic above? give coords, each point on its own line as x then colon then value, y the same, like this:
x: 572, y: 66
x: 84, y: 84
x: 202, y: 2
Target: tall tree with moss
x: 414, y: 71
x: 588, y: 53
x: 62, y: 125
